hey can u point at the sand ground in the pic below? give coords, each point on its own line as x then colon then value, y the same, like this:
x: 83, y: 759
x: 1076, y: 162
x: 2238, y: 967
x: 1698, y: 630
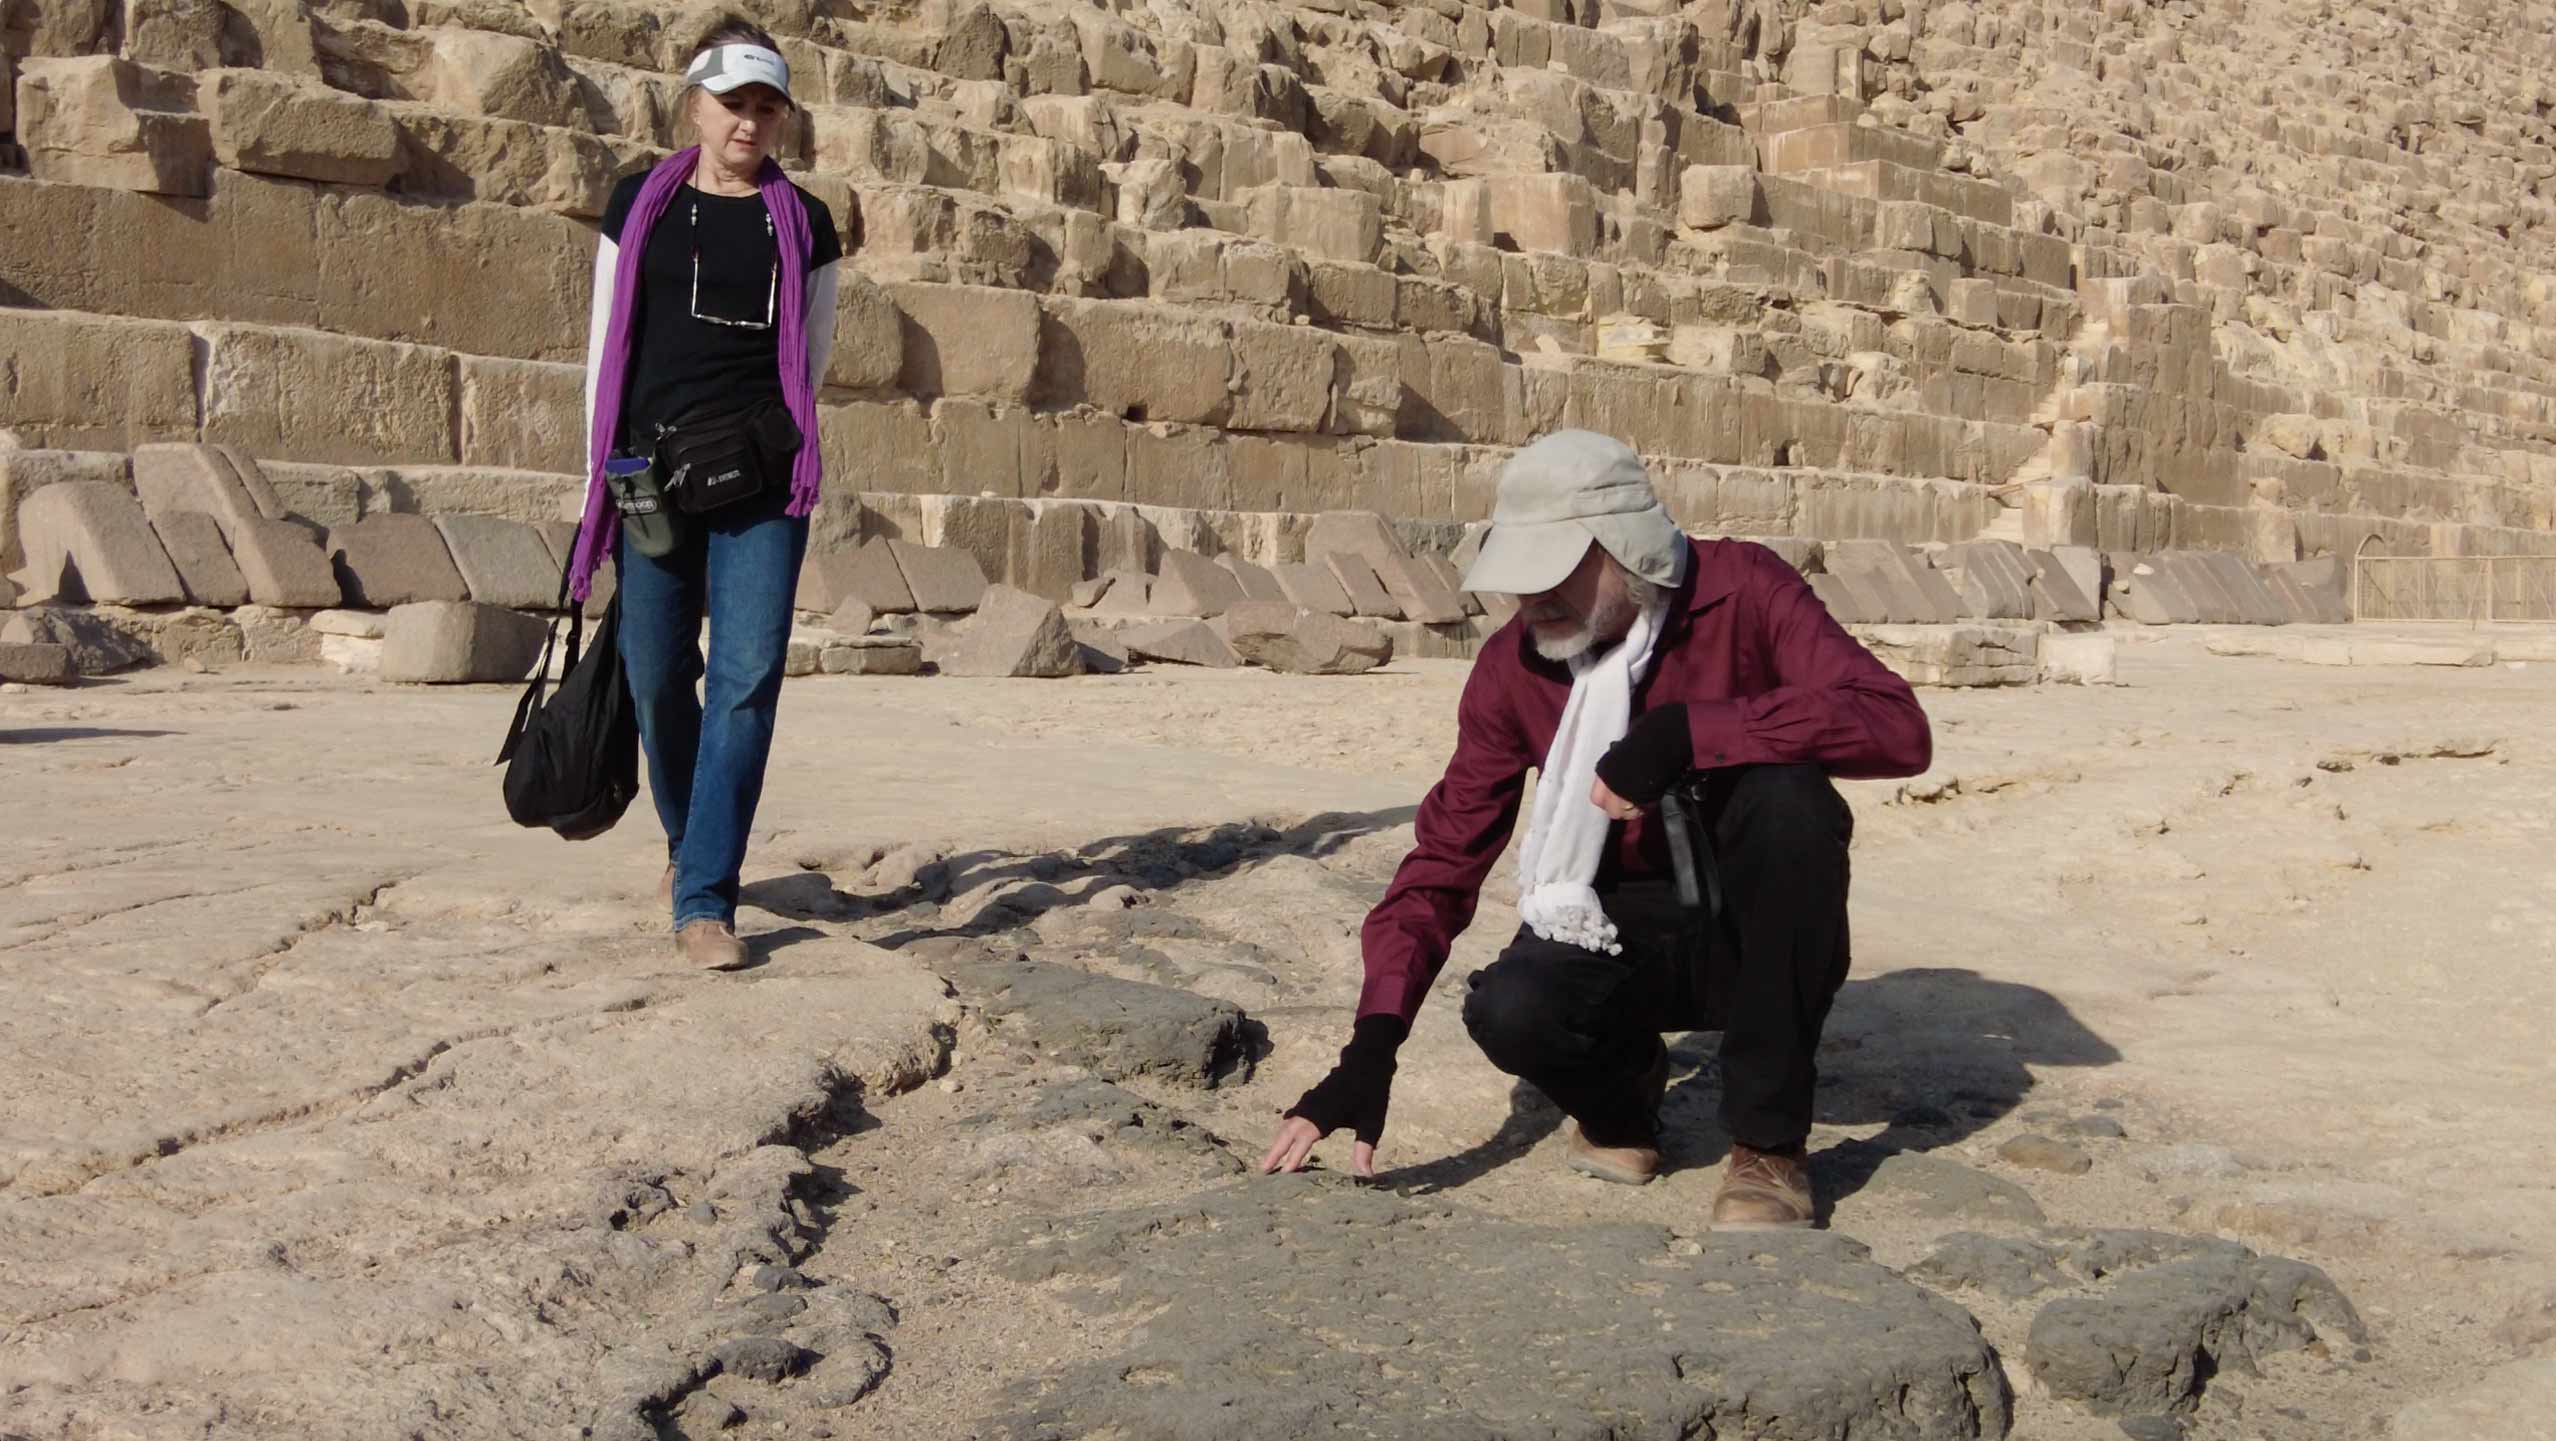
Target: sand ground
x: 2286, y: 928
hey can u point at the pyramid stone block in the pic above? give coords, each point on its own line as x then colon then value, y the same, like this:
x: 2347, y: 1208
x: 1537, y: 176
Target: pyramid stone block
x: 504, y: 562
x: 1358, y: 580
x: 943, y: 580
x: 1357, y: 532
x: 459, y: 643
x: 1417, y: 589
x: 1179, y: 642
x: 204, y: 565
x: 389, y: 560
x: 1191, y: 584
x: 2146, y: 592
x: 1013, y: 634
x: 1258, y: 582
x: 867, y: 573
x: 2058, y: 588
x: 1314, y: 587
x: 1993, y: 578
x: 87, y: 540
x: 1296, y: 641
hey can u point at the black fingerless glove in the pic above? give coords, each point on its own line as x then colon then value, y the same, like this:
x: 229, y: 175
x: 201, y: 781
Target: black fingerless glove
x: 1356, y: 1091
x: 1656, y: 750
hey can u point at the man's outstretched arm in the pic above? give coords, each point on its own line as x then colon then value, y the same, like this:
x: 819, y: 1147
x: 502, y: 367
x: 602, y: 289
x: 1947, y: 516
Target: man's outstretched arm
x: 1463, y: 827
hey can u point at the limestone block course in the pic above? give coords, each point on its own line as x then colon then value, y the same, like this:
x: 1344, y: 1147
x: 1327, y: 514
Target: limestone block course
x: 1134, y: 361
x: 88, y: 540
x: 564, y: 171
x: 91, y: 383
x: 193, y: 541
x: 102, y: 120
x: 459, y: 643
x: 308, y: 395
x: 1344, y: 225
x: 482, y: 279
x: 61, y: 27
x: 869, y: 334
x: 391, y: 560
x: 1282, y: 377
x: 272, y: 125
x: 522, y: 415
x: 966, y: 340
x: 1712, y: 196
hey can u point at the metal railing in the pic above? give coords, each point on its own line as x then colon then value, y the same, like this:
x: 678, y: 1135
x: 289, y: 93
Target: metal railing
x: 2454, y: 589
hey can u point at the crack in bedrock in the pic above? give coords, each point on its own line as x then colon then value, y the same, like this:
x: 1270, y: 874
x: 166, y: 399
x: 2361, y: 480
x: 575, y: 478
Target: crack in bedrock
x: 318, y: 1109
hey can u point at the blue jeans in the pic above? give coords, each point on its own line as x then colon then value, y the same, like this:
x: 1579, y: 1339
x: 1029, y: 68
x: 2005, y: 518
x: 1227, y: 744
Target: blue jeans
x: 740, y: 570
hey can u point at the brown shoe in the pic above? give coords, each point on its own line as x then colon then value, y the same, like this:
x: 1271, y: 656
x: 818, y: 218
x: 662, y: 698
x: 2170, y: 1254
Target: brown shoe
x: 1624, y: 1165
x: 665, y: 888
x: 711, y: 945
x: 1762, y: 1191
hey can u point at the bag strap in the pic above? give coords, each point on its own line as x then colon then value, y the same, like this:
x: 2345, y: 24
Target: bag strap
x: 539, y: 688
x: 1699, y: 874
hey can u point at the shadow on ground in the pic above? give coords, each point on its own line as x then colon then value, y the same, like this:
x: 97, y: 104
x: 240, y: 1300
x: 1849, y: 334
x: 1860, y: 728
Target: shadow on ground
x: 37, y: 735
x: 1159, y: 860
x: 1933, y: 1055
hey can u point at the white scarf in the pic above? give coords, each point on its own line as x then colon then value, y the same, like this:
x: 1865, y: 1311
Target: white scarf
x: 1566, y: 835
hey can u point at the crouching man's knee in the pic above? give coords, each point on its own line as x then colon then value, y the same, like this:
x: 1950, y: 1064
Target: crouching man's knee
x: 1512, y: 1021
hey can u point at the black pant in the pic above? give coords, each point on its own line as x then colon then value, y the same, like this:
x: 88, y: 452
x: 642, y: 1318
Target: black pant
x: 1584, y: 1028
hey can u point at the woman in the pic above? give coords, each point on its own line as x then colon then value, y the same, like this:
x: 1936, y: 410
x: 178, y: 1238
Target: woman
x: 714, y: 300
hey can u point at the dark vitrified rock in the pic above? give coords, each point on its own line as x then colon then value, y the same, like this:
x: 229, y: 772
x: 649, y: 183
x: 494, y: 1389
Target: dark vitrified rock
x: 1294, y: 1307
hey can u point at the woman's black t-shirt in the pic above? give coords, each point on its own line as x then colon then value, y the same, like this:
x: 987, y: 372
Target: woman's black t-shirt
x: 676, y: 360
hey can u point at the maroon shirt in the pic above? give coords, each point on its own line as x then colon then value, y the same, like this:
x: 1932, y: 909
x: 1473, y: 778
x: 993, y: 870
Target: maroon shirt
x: 1767, y: 678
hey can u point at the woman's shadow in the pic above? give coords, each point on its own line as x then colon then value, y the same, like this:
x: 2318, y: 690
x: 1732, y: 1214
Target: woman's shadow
x: 1933, y: 1055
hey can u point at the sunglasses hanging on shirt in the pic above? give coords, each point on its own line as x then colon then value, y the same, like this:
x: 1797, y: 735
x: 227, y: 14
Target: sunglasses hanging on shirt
x: 771, y: 295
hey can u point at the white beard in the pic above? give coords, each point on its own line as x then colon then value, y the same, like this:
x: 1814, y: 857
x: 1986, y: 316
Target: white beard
x: 1604, y: 628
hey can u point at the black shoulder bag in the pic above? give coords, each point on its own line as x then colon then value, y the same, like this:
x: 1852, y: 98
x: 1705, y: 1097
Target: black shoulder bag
x: 572, y: 755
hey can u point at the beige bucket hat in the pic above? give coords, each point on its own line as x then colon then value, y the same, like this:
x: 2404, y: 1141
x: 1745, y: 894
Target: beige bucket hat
x: 1563, y: 492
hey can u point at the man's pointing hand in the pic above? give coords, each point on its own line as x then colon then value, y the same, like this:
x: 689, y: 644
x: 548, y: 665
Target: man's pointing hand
x: 1355, y: 1094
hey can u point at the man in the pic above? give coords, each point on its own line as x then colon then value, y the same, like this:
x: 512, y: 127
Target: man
x: 1639, y: 662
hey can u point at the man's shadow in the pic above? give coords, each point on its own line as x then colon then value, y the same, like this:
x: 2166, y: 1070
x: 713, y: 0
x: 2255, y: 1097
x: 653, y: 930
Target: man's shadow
x: 1933, y: 1055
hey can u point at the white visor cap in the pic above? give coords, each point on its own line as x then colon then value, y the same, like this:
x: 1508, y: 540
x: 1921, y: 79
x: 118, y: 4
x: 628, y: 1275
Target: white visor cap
x: 723, y: 68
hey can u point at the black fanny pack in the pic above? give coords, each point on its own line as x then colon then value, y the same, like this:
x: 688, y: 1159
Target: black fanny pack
x: 713, y: 457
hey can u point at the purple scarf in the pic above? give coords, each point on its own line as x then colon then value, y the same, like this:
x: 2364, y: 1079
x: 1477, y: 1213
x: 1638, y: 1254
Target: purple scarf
x: 798, y: 388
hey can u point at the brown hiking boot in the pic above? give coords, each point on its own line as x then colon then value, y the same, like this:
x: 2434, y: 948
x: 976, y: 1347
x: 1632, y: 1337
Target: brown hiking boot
x: 1624, y: 1165
x: 711, y: 945
x: 1762, y: 1191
